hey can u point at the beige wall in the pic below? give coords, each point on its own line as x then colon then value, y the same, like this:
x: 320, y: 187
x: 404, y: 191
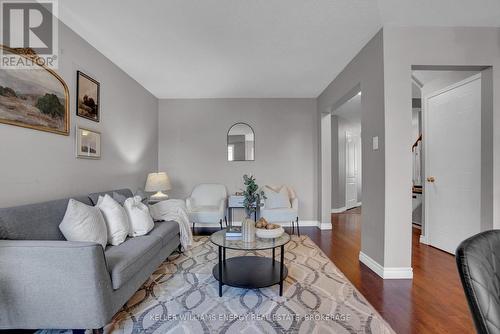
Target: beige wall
x: 192, y: 145
x: 39, y: 166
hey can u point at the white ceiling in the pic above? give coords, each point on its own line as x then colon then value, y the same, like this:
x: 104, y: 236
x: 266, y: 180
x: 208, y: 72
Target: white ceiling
x: 249, y: 48
x: 466, y: 13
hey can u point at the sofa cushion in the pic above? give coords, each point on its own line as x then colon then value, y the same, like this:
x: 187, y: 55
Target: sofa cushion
x: 128, y: 258
x: 35, y: 221
x: 94, y: 197
x: 165, y: 230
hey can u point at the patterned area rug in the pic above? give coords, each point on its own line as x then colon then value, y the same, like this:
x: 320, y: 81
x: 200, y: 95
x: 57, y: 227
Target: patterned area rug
x: 182, y: 297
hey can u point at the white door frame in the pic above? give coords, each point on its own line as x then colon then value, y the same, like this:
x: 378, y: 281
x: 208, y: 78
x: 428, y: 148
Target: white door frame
x: 425, y: 238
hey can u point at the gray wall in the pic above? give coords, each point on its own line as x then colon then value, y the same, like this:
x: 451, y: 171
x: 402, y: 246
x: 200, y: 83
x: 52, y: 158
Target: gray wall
x: 192, y: 145
x: 365, y: 71
x: 404, y: 47
x: 38, y: 166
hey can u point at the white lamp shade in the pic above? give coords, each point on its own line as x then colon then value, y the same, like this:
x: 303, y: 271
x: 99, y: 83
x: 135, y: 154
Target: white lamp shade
x: 157, y: 182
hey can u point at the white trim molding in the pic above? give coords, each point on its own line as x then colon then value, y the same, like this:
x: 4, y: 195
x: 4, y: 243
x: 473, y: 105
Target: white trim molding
x: 386, y: 272
x: 339, y: 210
x: 424, y: 240
x: 325, y: 226
x: 344, y: 209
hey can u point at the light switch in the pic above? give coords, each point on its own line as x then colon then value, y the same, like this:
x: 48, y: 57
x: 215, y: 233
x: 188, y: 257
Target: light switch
x: 375, y: 143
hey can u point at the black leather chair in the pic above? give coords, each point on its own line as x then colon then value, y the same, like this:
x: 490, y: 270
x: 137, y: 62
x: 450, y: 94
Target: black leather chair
x: 478, y: 261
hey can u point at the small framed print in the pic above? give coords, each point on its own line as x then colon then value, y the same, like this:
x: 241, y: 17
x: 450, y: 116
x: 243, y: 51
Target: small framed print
x: 87, y: 97
x: 88, y: 143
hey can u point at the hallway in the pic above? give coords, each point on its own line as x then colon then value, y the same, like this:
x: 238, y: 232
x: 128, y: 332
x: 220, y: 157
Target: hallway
x: 433, y: 302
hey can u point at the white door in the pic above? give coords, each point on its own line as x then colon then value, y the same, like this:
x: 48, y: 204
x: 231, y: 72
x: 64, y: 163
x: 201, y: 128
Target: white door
x: 351, y: 170
x: 452, y: 146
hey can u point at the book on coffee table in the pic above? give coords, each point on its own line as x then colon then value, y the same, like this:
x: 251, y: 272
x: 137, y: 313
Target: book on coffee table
x: 233, y: 232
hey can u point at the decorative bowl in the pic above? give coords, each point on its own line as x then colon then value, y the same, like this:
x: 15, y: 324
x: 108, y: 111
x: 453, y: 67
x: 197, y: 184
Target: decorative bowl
x: 268, y: 234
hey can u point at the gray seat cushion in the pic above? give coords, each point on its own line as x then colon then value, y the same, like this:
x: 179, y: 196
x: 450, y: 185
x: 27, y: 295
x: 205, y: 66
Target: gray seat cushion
x: 165, y: 230
x: 95, y: 196
x: 128, y: 258
x: 35, y: 221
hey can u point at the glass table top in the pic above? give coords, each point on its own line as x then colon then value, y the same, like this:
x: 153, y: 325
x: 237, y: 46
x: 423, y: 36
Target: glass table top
x: 219, y: 239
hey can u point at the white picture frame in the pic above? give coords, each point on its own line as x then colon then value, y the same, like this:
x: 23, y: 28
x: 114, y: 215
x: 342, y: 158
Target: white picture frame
x: 88, y: 143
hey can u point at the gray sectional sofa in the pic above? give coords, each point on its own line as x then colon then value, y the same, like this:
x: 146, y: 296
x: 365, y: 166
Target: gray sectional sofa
x: 48, y: 282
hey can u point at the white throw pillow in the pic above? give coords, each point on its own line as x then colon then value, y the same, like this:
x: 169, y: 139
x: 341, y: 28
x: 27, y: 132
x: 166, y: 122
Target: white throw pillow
x: 83, y: 222
x: 277, y: 199
x: 116, y: 219
x: 138, y: 216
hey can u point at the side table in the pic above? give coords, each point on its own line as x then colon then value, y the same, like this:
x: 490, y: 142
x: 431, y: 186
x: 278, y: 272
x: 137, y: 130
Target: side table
x: 235, y: 202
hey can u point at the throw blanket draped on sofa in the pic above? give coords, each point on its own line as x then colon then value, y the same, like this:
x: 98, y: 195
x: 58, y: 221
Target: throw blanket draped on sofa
x: 174, y: 209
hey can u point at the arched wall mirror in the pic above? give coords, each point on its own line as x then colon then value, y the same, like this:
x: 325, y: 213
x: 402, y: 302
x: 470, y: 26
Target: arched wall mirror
x: 240, y: 143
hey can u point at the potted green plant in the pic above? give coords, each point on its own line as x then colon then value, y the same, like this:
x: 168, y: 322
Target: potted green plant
x: 252, y: 201
x: 253, y: 195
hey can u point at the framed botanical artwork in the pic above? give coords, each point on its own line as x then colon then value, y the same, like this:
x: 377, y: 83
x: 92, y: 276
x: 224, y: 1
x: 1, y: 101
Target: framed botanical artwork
x: 35, y: 98
x: 88, y: 143
x: 87, y: 97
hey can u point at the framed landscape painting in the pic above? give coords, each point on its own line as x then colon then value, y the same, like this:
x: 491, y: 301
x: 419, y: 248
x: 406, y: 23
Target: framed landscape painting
x: 35, y: 98
x: 88, y: 143
x: 87, y: 92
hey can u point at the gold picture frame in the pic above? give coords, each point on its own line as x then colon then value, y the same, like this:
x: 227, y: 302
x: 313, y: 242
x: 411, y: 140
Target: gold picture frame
x: 25, y: 117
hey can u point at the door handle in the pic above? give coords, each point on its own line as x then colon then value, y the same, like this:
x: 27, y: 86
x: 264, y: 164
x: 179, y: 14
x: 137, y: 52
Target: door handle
x: 431, y: 179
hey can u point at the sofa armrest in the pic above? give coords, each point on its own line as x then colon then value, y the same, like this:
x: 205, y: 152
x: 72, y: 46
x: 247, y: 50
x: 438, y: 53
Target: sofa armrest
x: 295, y: 204
x: 47, y: 283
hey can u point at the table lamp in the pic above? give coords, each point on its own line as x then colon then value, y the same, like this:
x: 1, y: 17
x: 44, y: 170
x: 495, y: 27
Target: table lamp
x: 158, y: 182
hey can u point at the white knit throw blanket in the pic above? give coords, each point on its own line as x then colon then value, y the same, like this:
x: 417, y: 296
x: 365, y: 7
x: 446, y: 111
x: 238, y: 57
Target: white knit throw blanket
x: 176, y: 210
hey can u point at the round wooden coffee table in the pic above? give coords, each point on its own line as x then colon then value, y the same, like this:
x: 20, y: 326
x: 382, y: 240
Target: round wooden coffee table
x: 250, y: 272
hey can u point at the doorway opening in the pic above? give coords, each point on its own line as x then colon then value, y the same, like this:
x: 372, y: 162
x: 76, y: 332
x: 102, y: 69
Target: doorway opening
x: 452, y: 171
x: 346, y: 155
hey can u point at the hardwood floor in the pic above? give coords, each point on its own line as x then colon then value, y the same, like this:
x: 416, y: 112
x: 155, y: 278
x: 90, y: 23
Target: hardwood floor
x: 433, y: 302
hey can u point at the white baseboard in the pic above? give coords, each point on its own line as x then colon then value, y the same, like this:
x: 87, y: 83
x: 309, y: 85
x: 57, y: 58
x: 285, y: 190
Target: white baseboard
x: 339, y: 210
x: 343, y: 209
x: 386, y: 272
x: 424, y: 240
x: 325, y: 225
x: 302, y: 223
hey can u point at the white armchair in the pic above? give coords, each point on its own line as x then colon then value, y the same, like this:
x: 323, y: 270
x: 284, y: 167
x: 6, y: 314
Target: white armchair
x: 281, y: 206
x: 207, y: 204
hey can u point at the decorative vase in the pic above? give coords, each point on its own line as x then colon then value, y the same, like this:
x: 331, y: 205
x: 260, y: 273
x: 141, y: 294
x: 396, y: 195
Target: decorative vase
x: 248, y: 230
